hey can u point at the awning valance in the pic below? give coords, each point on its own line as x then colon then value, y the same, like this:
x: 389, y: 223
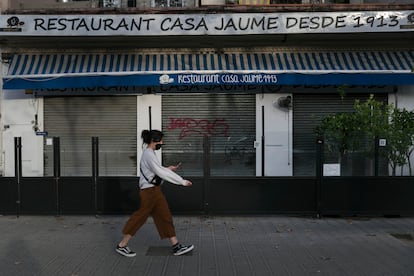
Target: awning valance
x: 74, y: 70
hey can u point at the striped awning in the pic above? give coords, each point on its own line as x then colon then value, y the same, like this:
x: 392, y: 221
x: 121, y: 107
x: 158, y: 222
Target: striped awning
x: 74, y: 70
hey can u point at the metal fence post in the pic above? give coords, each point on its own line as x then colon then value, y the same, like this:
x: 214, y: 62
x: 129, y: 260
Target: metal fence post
x: 56, y: 156
x: 376, y: 156
x: 56, y: 170
x: 319, y: 175
x: 206, y: 173
x: 18, y: 170
x: 95, y: 170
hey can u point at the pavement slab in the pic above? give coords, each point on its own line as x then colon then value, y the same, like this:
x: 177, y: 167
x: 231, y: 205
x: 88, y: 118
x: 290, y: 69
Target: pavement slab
x: 224, y: 245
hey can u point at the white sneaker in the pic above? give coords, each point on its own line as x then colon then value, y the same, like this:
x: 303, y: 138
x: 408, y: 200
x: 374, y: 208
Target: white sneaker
x: 125, y: 251
x: 181, y: 249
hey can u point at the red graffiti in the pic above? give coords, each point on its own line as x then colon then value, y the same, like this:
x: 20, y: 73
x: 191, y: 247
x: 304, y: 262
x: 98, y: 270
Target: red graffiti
x: 203, y: 127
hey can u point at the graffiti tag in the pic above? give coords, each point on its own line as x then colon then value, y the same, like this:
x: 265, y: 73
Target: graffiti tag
x: 204, y: 127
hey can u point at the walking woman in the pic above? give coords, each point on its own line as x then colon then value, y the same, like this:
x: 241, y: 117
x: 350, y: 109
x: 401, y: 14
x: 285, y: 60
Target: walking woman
x: 153, y: 202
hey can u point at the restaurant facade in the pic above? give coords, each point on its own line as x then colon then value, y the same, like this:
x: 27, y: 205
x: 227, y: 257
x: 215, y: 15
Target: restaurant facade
x: 238, y: 95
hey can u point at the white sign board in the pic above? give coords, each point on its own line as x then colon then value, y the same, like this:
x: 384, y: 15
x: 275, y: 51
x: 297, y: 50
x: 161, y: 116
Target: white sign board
x: 206, y: 24
x: 331, y: 169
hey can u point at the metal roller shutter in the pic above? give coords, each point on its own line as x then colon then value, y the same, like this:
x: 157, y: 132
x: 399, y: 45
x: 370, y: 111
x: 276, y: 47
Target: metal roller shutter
x: 308, y: 111
x: 228, y: 121
x: 76, y: 119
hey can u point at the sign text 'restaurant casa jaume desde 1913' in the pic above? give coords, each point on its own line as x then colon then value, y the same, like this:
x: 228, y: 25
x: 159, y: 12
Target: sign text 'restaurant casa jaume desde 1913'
x: 206, y: 24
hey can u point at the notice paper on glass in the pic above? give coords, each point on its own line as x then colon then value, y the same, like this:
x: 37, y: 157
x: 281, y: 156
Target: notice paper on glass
x: 331, y: 169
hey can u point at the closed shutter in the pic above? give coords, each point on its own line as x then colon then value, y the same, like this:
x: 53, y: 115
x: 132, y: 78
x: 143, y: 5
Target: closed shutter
x: 308, y: 111
x: 228, y: 121
x: 76, y: 119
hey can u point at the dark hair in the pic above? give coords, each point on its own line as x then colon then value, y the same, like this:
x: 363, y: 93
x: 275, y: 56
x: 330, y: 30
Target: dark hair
x: 149, y: 136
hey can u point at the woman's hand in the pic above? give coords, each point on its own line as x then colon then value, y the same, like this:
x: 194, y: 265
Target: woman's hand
x: 174, y: 168
x: 188, y: 183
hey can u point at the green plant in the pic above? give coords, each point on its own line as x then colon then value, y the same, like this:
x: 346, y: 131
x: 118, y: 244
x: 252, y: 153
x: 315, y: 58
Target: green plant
x: 371, y: 120
x: 339, y: 132
x: 400, y: 139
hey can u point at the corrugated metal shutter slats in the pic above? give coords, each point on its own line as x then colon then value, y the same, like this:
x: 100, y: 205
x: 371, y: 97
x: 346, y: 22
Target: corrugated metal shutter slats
x: 76, y: 119
x: 226, y: 119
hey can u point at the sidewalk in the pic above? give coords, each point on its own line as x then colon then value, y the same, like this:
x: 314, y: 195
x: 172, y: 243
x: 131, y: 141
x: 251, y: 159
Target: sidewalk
x: 245, y: 245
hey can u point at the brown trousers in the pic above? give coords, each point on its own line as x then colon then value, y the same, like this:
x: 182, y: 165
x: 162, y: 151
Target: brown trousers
x: 153, y: 203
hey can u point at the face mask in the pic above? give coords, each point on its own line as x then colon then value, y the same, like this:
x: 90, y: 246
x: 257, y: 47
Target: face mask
x: 158, y: 146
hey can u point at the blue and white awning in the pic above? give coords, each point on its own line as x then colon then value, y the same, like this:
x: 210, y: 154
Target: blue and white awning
x: 74, y: 70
